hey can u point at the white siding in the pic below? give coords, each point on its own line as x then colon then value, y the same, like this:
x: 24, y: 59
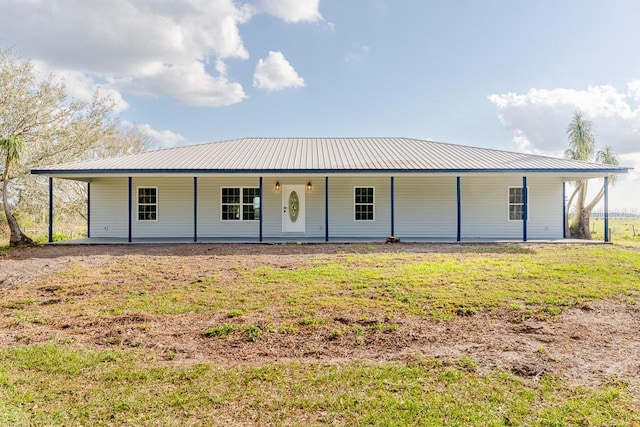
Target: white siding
x: 314, y: 207
x: 109, y: 207
x: 175, y: 208
x: 341, y: 205
x: 210, y: 222
x: 425, y: 207
x: 485, y: 207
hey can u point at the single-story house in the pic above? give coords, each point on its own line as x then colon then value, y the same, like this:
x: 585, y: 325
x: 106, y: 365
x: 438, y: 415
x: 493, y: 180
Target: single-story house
x: 326, y: 189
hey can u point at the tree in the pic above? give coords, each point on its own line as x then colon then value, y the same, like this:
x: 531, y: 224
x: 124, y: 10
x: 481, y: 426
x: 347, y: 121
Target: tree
x: 39, y: 125
x: 582, y: 146
x: 11, y: 149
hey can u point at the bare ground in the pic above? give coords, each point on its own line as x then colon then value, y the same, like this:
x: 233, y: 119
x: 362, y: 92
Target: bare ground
x: 588, y: 344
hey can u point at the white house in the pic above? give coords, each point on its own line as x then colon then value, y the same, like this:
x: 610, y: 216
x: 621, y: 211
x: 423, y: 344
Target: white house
x: 325, y: 189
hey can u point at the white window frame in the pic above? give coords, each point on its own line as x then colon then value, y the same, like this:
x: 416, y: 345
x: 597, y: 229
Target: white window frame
x: 509, y: 204
x: 156, y: 204
x: 373, y: 204
x: 241, y: 188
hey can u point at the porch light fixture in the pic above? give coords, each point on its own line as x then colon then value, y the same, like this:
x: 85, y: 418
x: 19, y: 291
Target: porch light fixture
x: 309, y: 186
x: 277, y: 185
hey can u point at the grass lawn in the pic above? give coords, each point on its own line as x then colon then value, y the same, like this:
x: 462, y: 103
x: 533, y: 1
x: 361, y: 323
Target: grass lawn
x: 66, y: 358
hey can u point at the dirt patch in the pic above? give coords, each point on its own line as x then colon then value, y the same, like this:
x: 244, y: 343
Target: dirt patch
x: 587, y: 344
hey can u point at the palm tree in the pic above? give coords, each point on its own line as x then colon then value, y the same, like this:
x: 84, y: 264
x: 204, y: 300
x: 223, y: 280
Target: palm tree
x: 582, y: 146
x: 11, y: 149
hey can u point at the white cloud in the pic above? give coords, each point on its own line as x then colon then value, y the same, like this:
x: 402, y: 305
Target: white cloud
x: 81, y: 87
x: 189, y: 84
x: 143, y: 46
x: 539, y: 119
x: 275, y: 73
x: 161, y: 138
x: 291, y: 10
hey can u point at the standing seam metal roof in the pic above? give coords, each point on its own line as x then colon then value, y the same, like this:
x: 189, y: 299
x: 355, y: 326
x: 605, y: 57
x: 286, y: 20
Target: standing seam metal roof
x: 326, y: 154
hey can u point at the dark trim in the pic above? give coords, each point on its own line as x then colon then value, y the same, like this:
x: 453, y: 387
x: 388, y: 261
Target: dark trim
x: 525, y: 208
x: 564, y: 209
x: 606, y: 209
x: 195, y: 208
x: 88, y: 209
x: 311, y: 171
x: 260, y: 214
x: 130, y: 205
x: 50, y: 210
x: 392, y: 207
x: 458, y: 195
x: 326, y: 208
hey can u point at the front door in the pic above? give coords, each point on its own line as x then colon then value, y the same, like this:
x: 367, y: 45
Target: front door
x: 293, y: 209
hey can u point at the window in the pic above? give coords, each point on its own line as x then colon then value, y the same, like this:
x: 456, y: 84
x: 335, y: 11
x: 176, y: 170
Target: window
x: 363, y: 203
x: 147, y: 203
x: 240, y: 204
x: 516, y: 203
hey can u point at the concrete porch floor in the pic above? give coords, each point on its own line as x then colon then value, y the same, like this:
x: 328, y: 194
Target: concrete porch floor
x: 284, y: 240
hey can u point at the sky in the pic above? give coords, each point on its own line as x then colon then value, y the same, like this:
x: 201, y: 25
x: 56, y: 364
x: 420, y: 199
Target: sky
x: 499, y: 74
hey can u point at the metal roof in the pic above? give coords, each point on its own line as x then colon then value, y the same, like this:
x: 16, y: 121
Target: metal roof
x: 309, y: 155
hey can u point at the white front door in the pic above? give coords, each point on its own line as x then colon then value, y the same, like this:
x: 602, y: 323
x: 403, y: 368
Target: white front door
x: 293, y: 209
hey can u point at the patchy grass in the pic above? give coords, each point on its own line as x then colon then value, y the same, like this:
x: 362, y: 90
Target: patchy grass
x: 624, y: 231
x: 536, y: 281
x: 40, y: 385
x: 349, y: 299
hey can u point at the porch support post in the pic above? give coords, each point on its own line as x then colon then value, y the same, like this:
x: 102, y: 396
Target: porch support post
x: 392, y: 208
x: 525, y: 209
x: 326, y: 208
x: 564, y: 209
x: 606, y: 209
x: 50, y: 209
x: 88, y: 210
x: 458, y: 196
x: 260, y: 214
x: 195, y: 208
x: 130, y: 205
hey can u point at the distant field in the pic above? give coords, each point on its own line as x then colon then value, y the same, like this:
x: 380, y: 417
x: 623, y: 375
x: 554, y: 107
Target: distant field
x: 623, y: 231
x: 320, y: 335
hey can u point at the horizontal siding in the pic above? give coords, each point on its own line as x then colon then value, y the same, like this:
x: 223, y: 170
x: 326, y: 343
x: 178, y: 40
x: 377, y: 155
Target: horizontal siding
x: 210, y: 223
x: 425, y: 207
x: 485, y: 207
x: 341, y: 204
x: 175, y: 208
x: 109, y: 208
x: 314, y: 207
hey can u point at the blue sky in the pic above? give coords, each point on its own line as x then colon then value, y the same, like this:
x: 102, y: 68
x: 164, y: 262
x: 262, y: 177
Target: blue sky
x: 496, y: 73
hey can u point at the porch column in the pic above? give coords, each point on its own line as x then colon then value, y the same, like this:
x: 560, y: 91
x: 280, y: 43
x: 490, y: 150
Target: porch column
x: 50, y: 209
x: 564, y: 209
x: 260, y: 213
x: 195, y: 208
x: 525, y: 209
x: 88, y: 210
x: 458, y: 235
x: 130, y: 205
x: 606, y: 209
x: 392, y: 209
x: 326, y: 208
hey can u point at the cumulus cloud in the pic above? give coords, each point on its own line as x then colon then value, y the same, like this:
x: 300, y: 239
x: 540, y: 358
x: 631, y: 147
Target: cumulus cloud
x: 275, y: 73
x: 81, y: 87
x: 143, y: 46
x: 160, y: 138
x: 539, y: 118
x: 189, y: 84
x: 291, y: 10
